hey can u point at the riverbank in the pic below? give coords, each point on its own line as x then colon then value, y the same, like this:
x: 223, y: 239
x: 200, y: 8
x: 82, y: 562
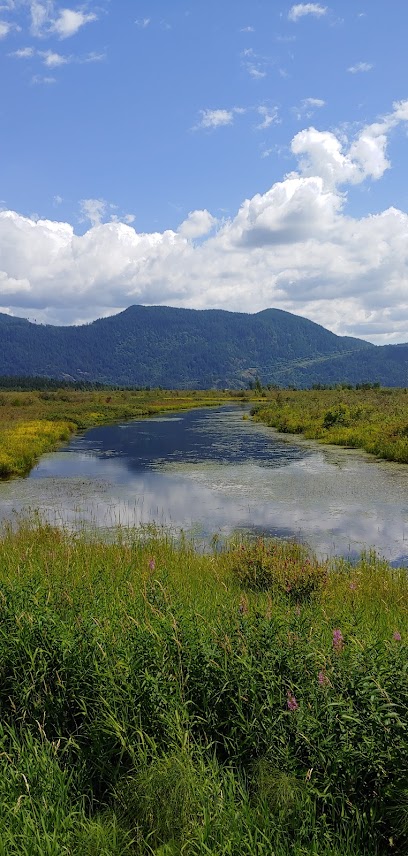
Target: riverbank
x: 154, y: 700
x: 35, y: 422
x: 375, y: 420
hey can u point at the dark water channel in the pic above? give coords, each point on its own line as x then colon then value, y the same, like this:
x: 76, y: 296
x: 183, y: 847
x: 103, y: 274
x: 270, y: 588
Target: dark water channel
x: 212, y: 471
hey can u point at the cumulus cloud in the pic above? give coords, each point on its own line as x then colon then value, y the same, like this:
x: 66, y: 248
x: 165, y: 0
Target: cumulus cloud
x: 299, y: 10
x: 69, y: 21
x: 197, y: 224
x: 322, y: 153
x: 294, y: 247
x: 52, y: 59
x: 45, y: 19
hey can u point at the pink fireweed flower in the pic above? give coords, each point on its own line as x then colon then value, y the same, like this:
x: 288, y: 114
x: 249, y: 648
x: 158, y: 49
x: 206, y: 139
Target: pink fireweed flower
x: 322, y: 679
x: 291, y: 701
x: 338, y: 640
x: 152, y: 564
x: 353, y: 585
x: 396, y: 636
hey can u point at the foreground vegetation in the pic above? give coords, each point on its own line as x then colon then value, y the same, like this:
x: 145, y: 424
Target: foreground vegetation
x: 370, y: 418
x: 158, y: 701
x: 35, y: 422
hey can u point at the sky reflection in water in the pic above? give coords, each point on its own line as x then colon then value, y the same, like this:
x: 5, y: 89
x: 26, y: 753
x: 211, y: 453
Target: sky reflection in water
x: 211, y: 471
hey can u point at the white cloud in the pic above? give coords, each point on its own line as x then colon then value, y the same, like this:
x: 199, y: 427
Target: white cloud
x: 69, y: 21
x: 93, y: 210
x: 217, y: 118
x: 23, y: 53
x: 308, y: 107
x: 255, y: 71
x: 360, y: 67
x: 41, y: 16
x: 247, y: 30
x: 52, y: 59
x: 197, y: 224
x: 255, y: 64
x: 42, y: 79
x: 313, y: 102
x: 294, y: 247
x: 322, y: 153
x: 45, y: 19
x: 5, y: 28
x: 142, y: 23
x: 270, y: 116
x: 93, y: 56
x: 299, y: 10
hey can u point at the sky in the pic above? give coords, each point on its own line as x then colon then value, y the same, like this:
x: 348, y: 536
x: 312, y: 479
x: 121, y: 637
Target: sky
x: 230, y: 154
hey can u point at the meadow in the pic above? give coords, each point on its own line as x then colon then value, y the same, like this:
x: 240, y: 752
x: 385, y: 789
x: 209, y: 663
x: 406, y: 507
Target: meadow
x: 37, y: 421
x: 374, y: 419
x: 155, y: 700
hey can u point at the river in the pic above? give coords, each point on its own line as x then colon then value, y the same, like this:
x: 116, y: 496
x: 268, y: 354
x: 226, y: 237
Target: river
x: 212, y: 472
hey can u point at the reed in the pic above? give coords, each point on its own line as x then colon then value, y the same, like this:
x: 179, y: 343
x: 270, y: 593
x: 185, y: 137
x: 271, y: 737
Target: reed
x: 155, y: 700
x: 375, y: 420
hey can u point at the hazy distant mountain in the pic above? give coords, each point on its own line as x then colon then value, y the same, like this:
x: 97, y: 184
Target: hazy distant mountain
x: 160, y: 346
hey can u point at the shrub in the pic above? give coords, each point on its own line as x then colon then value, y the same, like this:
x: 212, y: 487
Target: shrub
x: 338, y: 415
x: 266, y: 564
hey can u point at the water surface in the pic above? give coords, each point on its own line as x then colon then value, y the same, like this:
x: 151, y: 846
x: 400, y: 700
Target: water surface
x: 210, y: 471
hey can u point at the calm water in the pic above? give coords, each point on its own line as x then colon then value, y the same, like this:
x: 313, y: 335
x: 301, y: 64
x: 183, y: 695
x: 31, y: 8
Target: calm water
x: 211, y: 471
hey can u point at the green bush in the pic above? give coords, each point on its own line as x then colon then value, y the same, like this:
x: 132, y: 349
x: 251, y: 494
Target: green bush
x: 271, y: 564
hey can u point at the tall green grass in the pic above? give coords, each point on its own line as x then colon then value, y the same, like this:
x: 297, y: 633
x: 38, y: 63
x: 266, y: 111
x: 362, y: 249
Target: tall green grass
x: 372, y: 419
x: 154, y: 700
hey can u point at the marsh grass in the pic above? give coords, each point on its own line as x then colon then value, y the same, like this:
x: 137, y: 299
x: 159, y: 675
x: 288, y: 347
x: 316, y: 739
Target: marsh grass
x: 372, y: 419
x: 151, y: 702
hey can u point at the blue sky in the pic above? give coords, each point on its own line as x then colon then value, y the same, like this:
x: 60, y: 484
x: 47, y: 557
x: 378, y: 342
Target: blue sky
x: 236, y: 154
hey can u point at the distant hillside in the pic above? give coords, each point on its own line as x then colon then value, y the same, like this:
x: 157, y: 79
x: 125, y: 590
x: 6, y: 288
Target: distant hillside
x: 176, y: 348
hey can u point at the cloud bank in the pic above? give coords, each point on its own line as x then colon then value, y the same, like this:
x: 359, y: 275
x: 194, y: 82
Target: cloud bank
x: 293, y: 247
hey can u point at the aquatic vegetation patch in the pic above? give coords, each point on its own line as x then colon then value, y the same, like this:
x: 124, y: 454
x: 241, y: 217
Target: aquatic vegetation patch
x: 35, y: 422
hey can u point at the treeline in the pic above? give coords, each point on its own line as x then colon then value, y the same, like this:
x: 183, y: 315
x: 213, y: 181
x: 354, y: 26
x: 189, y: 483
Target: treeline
x: 25, y: 383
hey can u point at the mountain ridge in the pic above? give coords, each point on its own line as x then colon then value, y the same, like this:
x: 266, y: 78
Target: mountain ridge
x: 169, y: 347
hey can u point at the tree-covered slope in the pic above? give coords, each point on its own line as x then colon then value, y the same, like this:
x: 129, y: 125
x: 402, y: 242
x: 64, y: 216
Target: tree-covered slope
x: 162, y: 346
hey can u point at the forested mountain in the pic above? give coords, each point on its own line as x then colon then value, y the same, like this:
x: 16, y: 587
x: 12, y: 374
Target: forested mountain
x: 161, y: 346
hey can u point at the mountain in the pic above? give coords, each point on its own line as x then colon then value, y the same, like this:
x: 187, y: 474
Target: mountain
x: 188, y: 348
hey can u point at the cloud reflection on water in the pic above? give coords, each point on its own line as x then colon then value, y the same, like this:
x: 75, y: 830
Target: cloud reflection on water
x: 338, y: 501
